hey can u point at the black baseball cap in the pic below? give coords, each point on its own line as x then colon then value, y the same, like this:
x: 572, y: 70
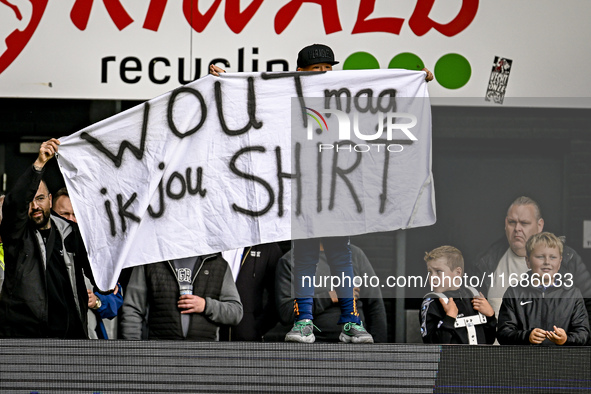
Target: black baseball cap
x: 314, y: 54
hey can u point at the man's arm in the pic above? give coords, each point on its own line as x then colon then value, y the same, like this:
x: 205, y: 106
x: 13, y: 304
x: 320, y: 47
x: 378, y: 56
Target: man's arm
x: 135, y: 304
x: 228, y: 309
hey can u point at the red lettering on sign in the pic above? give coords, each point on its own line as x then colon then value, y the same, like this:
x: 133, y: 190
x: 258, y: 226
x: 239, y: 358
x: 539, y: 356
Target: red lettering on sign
x: 385, y: 25
x: 154, y: 15
x: 80, y: 13
x: 237, y: 20
x: 17, y: 39
x: 196, y: 19
x: 420, y: 23
x: 14, y: 9
x: 330, y: 15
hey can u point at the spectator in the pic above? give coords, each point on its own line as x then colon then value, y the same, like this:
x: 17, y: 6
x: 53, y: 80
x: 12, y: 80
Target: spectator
x: 253, y: 270
x: 102, y: 308
x: 326, y: 308
x: 453, y: 313
x: 524, y: 219
x: 187, y: 298
x: 62, y: 205
x: 547, y: 309
x: 44, y: 294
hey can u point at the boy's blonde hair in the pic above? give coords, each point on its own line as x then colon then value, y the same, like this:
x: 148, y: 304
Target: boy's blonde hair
x: 548, y: 239
x: 453, y: 257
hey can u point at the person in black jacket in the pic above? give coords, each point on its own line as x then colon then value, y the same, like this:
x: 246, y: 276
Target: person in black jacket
x: 44, y: 294
x: 544, y: 307
x: 505, y: 259
x: 253, y: 269
x: 453, y: 313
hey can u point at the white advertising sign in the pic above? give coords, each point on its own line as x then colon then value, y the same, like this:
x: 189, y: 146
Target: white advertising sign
x: 212, y: 166
x: 129, y: 49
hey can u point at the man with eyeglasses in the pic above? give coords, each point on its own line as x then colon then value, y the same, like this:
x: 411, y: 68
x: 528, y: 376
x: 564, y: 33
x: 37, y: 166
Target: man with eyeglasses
x: 44, y: 295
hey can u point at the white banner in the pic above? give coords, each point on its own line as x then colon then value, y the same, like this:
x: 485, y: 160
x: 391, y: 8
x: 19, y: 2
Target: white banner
x: 129, y: 49
x: 212, y: 166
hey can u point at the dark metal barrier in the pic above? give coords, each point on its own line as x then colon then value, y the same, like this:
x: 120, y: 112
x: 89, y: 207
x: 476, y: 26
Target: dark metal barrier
x: 58, y: 366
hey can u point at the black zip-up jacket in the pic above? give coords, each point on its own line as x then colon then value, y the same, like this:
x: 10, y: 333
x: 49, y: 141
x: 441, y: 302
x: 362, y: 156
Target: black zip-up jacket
x: 526, y: 308
x: 256, y: 286
x: 24, y: 299
x: 571, y: 263
x: 437, y: 327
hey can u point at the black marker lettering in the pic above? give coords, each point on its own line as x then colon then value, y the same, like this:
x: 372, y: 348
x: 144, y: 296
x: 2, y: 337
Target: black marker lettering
x: 337, y: 94
x: 391, y: 95
x: 298, y: 86
x: 336, y: 170
x: 251, y: 177
x: 198, y: 188
x: 169, y: 116
x: 123, y: 213
x: 110, y: 214
x: 250, y: 105
x: 368, y: 100
x: 281, y: 175
x: 117, y: 159
x: 384, y: 193
x: 162, y: 207
x: 319, y: 181
x: 169, y: 192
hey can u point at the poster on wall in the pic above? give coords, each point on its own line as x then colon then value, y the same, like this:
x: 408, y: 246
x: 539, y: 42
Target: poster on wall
x: 499, y: 78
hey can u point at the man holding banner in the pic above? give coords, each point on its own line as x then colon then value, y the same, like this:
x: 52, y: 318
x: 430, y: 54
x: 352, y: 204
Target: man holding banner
x: 320, y: 58
x: 44, y: 294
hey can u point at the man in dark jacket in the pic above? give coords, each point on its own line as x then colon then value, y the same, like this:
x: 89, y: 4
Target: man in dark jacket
x: 253, y: 269
x: 44, y: 294
x: 502, y: 264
